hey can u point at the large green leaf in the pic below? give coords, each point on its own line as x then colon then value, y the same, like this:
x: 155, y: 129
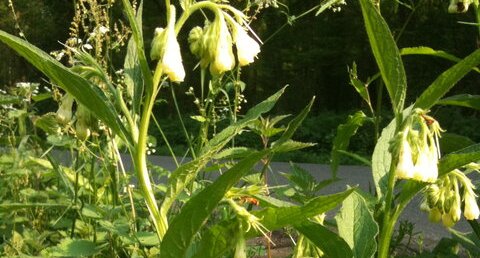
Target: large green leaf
x: 431, y: 52
x: 84, y: 92
x: 382, y: 159
x: 357, y: 226
x: 447, y: 80
x: 132, y: 67
x: 330, y: 243
x: 342, y: 139
x: 386, y: 54
x: 459, y: 158
x: 463, y: 100
x: 196, y: 211
x: 139, y: 44
x: 275, y: 218
x: 451, y: 142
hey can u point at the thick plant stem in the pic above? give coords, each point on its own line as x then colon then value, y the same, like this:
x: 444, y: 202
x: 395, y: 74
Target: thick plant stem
x: 140, y: 161
x: 390, y: 215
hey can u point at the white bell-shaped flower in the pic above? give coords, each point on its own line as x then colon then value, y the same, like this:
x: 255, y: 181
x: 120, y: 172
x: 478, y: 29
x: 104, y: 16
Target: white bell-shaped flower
x: 247, y: 47
x: 471, y: 210
x: 223, y: 54
x: 171, y: 61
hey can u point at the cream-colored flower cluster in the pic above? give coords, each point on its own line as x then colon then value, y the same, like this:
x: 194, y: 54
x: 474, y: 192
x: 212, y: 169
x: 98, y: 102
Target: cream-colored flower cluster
x: 417, y: 148
x: 443, y: 200
x: 213, y: 44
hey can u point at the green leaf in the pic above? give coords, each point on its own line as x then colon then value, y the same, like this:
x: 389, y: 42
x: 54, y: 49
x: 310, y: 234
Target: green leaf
x: 459, y: 159
x: 382, y: 159
x: 470, y: 241
x: 447, y: 80
x: 386, y: 54
x: 290, y: 145
x: 253, y: 114
x: 357, y: 226
x: 295, y: 123
x: 342, y: 139
x: 72, y: 248
x: 133, y: 71
x: 359, y: 86
x: 301, y: 177
x: 7, y: 99
x: 451, y: 142
x: 275, y: 218
x: 196, y: 211
x: 431, y: 52
x: 330, y: 243
x: 215, y: 241
x: 139, y: 44
x: 462, y: 100
x: 147, y: 238
x: 83, y: 91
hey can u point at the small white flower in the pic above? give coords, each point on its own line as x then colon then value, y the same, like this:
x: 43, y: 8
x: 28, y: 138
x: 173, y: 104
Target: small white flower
x: 88, y: 46
x: 247, y: 48
x: 103, y: 29
x: 471, y: 210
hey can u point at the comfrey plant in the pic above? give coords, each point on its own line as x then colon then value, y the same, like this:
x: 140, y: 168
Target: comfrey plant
x: 177, y: 213
x: 407, y: 158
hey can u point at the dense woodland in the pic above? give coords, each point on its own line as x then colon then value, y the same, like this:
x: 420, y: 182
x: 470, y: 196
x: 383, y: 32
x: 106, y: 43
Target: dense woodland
x: 311, y: 54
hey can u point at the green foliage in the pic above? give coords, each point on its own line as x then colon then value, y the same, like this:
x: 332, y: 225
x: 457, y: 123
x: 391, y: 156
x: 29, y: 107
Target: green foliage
x: 386, y: 55
x: 357, y: 225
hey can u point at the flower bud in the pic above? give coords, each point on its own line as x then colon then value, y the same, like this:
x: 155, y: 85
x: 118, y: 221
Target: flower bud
x: 157, y: 44
x: 82, y: 125
x: 195, y: 39
x: 435, y: 215
x: 64, y: 112
x: 447, y: 220
x: 471, y: 210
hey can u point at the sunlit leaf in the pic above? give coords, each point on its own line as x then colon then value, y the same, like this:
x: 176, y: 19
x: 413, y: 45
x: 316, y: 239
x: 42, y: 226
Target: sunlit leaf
x: 447, y: 80
x: 357, y: 225
x: 463, y: 100
x: 330, y: 243
x: 431, y: 52
x: 386, y: 54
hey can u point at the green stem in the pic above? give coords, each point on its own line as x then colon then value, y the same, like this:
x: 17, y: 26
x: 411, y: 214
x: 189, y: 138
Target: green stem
x: 189, y: 141
x: 193, y: 8
x: 139, y: 154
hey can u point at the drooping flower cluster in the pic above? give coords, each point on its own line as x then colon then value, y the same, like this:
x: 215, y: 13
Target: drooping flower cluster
x: 417, y: 148
x: 213, y: 43
x: 443, y: 200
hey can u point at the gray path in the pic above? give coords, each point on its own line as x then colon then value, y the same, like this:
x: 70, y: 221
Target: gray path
x: 352, y: 176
